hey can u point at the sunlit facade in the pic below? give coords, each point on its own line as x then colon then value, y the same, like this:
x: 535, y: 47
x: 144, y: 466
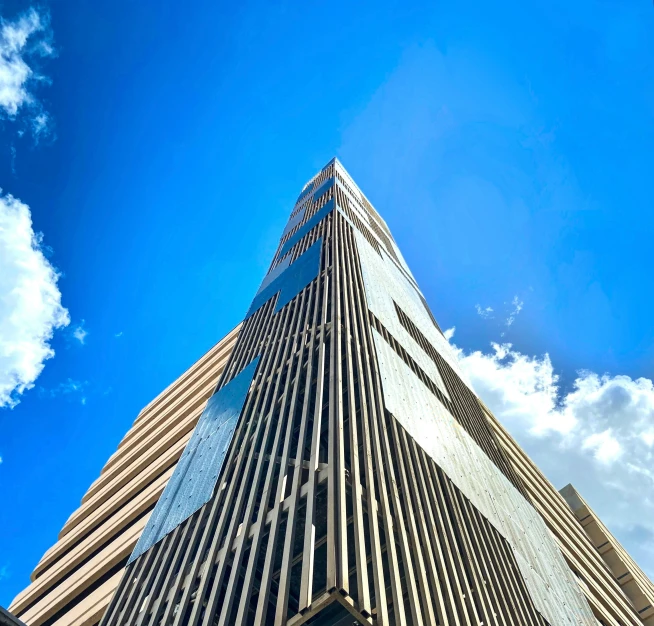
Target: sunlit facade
x: 326, y: 463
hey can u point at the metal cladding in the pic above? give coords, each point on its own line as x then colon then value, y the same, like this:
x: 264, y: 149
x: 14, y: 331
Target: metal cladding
x: 385, y: 284
x: 364, y: 482
x: 294, y: 221
x: 289, y: 281
x: 305, y: 192
x: 551, y: 584
x: 194, y: 479
x: 427, y: 420
x: 302, y: 232
x: 322, y: 187
x: 273, y: 274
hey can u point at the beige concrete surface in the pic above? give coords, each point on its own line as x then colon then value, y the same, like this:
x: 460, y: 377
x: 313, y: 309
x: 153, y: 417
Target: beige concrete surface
x: 75, y: 579
x: 632, y: 580
x: 73, y: 582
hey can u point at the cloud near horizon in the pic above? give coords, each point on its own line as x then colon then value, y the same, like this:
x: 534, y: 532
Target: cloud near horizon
x: 599, y: 435
x: 30, y: 302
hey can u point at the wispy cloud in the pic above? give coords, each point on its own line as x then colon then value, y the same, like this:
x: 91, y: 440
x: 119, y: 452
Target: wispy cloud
x: 30, y: 302
x: 70, y: 387
x: 484, y: 313
x: 120, y: 334
x: 516, y: 305
x: 599, y: 435
x: 510, y: 309
x: 24, y: 42
x: 4, y: 572
x: 80, y: 333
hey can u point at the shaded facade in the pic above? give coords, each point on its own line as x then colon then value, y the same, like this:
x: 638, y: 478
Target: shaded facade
x: 344, y: 471
x: 632, y: 580
x: 7, y: 619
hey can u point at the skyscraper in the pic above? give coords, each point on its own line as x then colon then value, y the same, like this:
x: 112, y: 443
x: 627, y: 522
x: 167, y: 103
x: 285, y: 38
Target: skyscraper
x: 342, y: 472
x: 344, y: 467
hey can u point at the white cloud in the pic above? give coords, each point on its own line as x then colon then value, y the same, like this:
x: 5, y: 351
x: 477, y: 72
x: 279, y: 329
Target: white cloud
x: 30, y: 302
x: 517, y: 305
x: 648, y: 437
x: 23, y: 42
x: 449, y: 333
x: 524, y: 389
x: 80, y: 333
x: 485, y: 313
x: 120, y: 334
x: 606, y: 448
x: 599, y: 435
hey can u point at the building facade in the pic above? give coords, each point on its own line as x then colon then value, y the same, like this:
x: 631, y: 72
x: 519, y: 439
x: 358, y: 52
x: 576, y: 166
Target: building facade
x: 632, y: 580
x: 75, y: 579
x: 340, y: 470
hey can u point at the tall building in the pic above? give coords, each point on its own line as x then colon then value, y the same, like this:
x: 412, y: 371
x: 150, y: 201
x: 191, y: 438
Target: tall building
x: 341, y: 471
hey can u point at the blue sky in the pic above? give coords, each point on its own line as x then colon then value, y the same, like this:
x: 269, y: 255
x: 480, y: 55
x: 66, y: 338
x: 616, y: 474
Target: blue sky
x: 160, y: 148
